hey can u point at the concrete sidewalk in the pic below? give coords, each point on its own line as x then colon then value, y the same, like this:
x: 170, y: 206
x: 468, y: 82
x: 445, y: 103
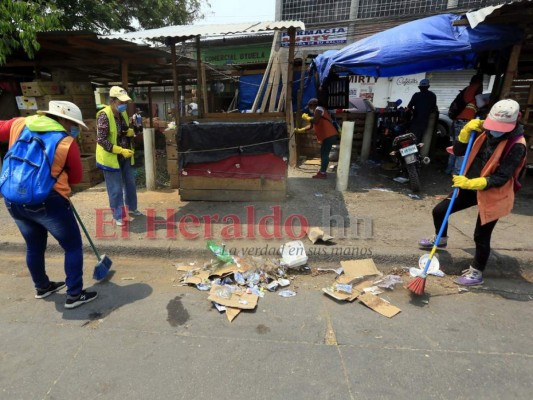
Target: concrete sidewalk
x: 376, y: 218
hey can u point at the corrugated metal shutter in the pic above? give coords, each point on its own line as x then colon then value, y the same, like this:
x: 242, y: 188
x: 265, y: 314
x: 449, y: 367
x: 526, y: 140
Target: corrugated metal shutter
x: 446, y: 85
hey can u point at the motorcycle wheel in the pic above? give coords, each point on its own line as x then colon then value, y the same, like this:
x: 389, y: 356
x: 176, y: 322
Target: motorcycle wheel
x: 414, y: 179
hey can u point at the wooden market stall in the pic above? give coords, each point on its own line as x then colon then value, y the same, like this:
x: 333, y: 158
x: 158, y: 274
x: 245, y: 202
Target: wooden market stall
x: 214, y: 156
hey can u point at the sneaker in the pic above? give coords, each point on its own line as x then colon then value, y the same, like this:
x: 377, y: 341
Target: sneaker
x: 136, y: 213
x: 118, y: 222
x: 320, y: 175
x: 470, y: 277
x: 429, y: 242
x: 52, y: 288
x: 82, y: 298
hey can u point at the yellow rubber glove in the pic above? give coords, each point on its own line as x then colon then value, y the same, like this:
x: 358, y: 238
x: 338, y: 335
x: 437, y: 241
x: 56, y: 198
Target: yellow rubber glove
x: 126, y: 153
x: 130, y: 133
x: 461, y: 181
x: 299, y: 130
x: 306, y: 117
x: 473, y: 125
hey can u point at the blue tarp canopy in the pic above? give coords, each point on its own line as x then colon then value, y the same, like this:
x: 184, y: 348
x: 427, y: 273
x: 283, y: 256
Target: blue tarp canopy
x: 428, y: 44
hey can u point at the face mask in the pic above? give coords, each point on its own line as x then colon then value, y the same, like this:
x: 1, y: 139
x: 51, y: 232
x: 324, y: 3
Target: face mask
x: 122, y: 107
x: 74, y: 131
x: 496, y: 134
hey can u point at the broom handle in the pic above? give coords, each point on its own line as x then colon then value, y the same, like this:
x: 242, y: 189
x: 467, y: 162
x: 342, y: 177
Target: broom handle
x: 450, y: 206
x: 85, y: 231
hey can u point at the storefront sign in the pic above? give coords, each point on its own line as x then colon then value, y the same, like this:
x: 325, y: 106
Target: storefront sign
x: 317, y: 37
x: 237, y: 55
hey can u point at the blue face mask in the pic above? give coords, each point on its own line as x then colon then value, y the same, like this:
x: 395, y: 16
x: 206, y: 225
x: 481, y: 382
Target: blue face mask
x: 74, y: 131
x: 122, y: 107
x: 496, y: 134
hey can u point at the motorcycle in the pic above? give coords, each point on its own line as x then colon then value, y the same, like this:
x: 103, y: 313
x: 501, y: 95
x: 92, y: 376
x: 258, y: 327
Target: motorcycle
x: 406, y: 153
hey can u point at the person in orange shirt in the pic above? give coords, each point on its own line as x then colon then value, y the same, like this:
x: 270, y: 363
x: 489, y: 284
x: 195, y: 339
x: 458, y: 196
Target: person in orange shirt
x: 468, y: 113
x: 489, y: 181
x: 326, y: 133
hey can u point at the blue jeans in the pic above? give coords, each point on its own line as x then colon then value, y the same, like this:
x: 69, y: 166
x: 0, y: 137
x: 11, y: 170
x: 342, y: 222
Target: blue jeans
x: 121, y: 188
x: 454, y: 163
x: 325, y: 149
x: 54, y: 216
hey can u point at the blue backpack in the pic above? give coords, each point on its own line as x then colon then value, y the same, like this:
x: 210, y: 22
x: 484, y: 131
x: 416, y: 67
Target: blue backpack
x: 27, y: 169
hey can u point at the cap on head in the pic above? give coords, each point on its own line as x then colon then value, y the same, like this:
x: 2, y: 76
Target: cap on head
x: 64, y: 109
x: 313, y: 100
x: 502, y: 116
x: 424, y: 83
x: 119, y: 93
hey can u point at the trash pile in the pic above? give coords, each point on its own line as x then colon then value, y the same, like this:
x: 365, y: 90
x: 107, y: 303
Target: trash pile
x: 236, y: 283
x: 361, y: 280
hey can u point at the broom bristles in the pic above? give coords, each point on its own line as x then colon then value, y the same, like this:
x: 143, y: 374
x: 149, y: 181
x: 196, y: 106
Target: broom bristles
x: 417, y: 285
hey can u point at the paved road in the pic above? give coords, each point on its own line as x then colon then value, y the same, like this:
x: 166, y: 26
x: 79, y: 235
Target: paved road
x: 147, y: 338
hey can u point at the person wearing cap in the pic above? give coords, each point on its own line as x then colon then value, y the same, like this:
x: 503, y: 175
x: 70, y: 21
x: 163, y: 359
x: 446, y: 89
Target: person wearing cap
x: 469, y: 112
x: 490, y: 180
x: 326, y: 133
x: 114, y: 155
x: 54, y: 215
x: 422, y: 105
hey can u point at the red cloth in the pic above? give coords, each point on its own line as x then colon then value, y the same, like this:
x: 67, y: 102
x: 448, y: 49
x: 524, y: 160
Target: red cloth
x: 266, y: 166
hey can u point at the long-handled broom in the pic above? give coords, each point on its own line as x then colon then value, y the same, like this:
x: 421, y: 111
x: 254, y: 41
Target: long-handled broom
x: 104, y: 262
x: 418, y: 284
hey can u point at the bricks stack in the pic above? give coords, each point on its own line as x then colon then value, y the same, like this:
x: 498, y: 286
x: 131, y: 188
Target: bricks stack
x: 172, y: 157
x: 92, y: 175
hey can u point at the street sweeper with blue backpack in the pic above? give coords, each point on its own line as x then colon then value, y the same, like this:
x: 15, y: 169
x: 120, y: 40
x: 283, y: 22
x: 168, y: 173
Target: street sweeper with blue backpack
x: 42, y: 162
x: 490, y: 180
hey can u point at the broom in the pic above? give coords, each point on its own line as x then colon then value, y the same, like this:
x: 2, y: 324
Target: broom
x: 104, y: 262
x: 418, y: 284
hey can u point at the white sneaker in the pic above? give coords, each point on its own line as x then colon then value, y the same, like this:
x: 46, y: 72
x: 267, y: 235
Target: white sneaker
x: 118, y: 222
x: 136, y: 213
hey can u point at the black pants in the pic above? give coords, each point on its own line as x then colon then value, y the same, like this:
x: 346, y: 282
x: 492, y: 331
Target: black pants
x: 482, y: 233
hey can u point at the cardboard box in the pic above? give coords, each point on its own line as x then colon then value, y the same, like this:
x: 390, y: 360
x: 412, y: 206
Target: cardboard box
x: 172, y: 152
x: 88, y: 161
x: 85, y: 101
x: 40, y: 88
x: 42, y: 101
x: 174, y: 181
x: 89, y: 148
x: 172, y: 167
x: 26, y: 103
x: 170, y: 136
x: 91, y: 124
x: 93, y: 176
x: 78, y: 88
x: 27, y: 113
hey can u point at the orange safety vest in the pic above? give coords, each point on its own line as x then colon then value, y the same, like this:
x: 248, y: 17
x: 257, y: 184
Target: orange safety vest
x: 61, y: 186
x: 324, y: 127
x: 495, y: 202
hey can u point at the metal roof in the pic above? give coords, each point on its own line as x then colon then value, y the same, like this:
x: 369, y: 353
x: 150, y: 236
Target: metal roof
x: 512, y: 12
x: 184, y: 32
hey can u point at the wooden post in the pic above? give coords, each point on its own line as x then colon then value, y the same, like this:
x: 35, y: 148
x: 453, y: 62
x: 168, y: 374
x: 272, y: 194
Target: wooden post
x: 267, y: 71
x: 510, y: 73
x: 345, y: 154
x: 176, y: 97
x: 199, y: 87
x: 429, y: 134
x: 124, y: 74
x: 288, y: 99
x: 204, y: 90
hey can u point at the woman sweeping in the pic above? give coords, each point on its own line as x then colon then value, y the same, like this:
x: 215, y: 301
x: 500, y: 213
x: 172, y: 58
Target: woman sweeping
x: 490, y: 180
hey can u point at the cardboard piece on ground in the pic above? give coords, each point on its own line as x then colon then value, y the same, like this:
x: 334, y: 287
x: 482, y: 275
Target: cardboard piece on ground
x: 231, y: 313
x: 312, y: 161
x: 186, y: 268
x: 196, y: 279
x: 314, y: 234
x: 228, y: 270
x: 355, y: 269
x: 356, y: 292
x: 241, y: 300
x: 379, y: 305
